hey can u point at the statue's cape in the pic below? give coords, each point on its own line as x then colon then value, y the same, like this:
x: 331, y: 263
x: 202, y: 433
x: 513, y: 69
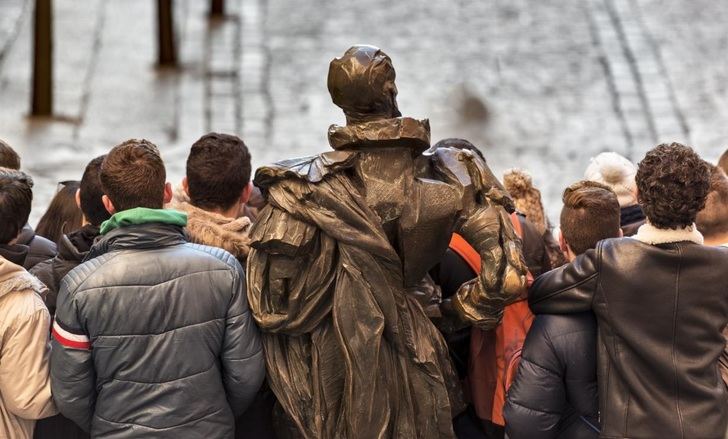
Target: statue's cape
x: 349, y: 352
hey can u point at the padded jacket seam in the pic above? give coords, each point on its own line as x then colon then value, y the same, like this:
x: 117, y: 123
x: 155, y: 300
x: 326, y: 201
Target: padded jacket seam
x: 159, y: 429
x: 79, y: 291
x: 209, y: 368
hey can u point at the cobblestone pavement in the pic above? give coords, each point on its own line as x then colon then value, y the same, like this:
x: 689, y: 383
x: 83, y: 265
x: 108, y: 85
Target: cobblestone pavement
x: 541, y: 85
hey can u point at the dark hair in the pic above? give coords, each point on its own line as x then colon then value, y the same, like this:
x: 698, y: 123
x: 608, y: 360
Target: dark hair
x: 91, y: 192
x: 218, y: 169
x: 713, y: 219
x: 590, y: 214
x: 16, y: 198
x: 672, y: 184
x: 63, y: 215
x: 133, y: 175
x: 723, y: 161
x: 8, y: 157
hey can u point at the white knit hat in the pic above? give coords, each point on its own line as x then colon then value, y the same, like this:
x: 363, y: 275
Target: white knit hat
x: 618, y: 173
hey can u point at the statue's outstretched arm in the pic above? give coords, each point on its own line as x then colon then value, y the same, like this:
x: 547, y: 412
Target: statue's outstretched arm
x: 486, y: 226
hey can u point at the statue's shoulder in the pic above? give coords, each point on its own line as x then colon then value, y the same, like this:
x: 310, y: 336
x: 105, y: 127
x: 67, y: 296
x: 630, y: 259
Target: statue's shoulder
x: 311, y: 169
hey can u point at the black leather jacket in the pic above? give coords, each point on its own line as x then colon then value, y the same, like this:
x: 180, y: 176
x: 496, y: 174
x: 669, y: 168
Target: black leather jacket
x: 173, y: 353
x: 660, y: 309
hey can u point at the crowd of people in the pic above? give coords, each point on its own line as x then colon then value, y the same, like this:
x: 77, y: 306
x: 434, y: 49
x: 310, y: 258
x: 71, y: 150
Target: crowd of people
x: 225, y: 307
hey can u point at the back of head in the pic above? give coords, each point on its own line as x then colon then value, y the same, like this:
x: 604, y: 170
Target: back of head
x: 617, y: 172
x: 8, y: 157
x: 590, y: 214
x: 133, y: 175
x: 16, y: 198
x: 218, y: 169
x: 361, y: 83
x: 91, y: 192
x: 712, y: 221
x: 519, y: 184
x: 673, y: 183
x: 63, y: 215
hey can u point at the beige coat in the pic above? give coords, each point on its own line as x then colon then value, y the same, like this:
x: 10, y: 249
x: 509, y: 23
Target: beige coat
x: 25, y: 387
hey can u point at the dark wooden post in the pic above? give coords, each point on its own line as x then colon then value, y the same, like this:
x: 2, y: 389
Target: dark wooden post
x: 217, y: 8
x: 165, y: 27
x: 42, y: 104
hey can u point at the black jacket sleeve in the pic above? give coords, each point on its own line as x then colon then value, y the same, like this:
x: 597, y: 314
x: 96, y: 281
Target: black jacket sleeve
x: 567, y: 289
x: 537, y: 398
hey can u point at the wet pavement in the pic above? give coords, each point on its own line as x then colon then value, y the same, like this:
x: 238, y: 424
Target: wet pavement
x: 540, y: 85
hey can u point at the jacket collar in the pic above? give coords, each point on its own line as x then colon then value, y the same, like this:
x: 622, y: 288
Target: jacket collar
x: 210, y: 228
x: 15, y: 253
x: 650, y: 234
x: 138, y: 237
x: 143, y: 215
x: 74, y: 246
x: 14, y: 278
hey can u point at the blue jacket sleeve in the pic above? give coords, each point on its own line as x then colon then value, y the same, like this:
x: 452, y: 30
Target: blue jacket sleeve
x: 242, y: 359
x: 73, y: 379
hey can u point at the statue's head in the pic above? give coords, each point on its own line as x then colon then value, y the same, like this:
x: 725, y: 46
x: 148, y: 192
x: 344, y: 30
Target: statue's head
x: 362, y: 84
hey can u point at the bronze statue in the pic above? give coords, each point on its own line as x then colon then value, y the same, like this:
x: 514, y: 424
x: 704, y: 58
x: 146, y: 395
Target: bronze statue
x: 345, y: 239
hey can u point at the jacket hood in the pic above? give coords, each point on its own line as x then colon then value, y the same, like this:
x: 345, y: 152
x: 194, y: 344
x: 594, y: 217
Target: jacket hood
x: 213, y: 229
x: 14, y: 278
x: 143, y: 215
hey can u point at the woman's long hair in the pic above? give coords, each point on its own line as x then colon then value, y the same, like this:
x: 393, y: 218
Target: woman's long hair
x: 63, y: 215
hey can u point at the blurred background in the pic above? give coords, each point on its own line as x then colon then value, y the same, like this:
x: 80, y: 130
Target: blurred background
x: 539, y: 85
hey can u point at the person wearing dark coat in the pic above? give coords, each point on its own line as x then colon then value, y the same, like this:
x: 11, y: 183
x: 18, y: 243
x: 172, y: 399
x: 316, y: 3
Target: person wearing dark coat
x: 72, y: 249
x: 153, y: 336
x: 39, y: 248
x: 661, y: 302
x: 554, y: 394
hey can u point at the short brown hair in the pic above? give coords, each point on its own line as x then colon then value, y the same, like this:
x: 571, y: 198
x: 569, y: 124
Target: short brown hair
x: 218, y: 169
x: 8, y: 157
x: 590, y: 214
x: 16, y: 198
x: 672, y: 183
x: 133, y: 175
x: 713, y: 219
x: 723, y: 161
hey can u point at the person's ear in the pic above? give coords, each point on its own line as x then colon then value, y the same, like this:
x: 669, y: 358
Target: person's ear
x: 563, y: 245
x: 168, y: 192
x: 247, y: 190
x: 78, y: 198
x: 186, y: 186
x: 108, y: 205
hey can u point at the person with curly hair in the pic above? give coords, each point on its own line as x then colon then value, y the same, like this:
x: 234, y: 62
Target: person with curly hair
x: 661, y: 300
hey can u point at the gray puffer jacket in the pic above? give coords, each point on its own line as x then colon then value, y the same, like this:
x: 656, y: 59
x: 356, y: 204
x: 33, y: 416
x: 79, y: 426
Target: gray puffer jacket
x: 153, y: 338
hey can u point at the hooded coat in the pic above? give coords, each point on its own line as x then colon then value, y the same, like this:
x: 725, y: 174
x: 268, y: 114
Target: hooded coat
x: 25, y: 388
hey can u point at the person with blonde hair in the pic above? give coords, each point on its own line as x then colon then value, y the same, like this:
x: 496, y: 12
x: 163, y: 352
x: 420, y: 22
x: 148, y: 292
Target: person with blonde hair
x: 617, y: 172
x: 527, y: 198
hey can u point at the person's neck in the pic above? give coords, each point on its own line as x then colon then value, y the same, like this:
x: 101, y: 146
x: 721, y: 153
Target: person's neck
x: 719, y: 239
x: 231, y: 212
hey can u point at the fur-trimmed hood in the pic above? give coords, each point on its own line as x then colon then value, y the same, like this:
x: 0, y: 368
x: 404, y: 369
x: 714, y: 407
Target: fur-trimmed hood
x: 14, y: 278
x: 209, y: 228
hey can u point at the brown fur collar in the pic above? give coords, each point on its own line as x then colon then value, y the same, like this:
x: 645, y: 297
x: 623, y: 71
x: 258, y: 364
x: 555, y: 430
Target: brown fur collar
x: 213, y: 229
